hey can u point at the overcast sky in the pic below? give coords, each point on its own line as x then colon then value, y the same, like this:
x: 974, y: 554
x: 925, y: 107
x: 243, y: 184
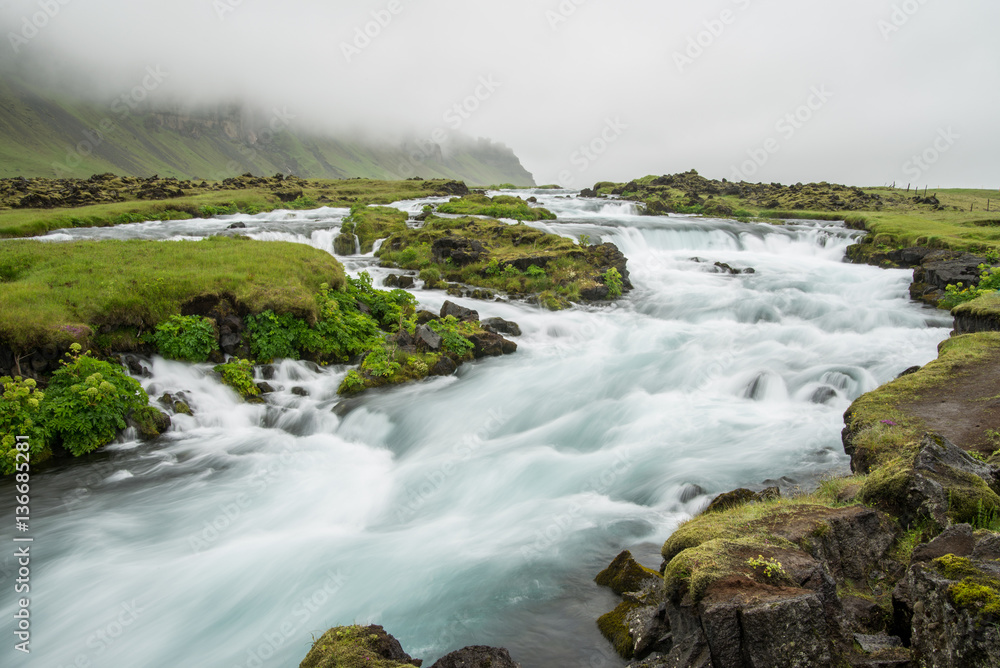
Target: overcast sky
x: 582, y: 90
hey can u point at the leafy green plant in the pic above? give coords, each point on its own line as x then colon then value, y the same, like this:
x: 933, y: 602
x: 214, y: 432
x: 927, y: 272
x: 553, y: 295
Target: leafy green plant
x: 238, y: 374
x: 511, y: 271
x: 353, y: 383
x: 187, y: 338
x: 534, y: 271
x: 989, y: 281
x: 343, y: 331
x: 274, y: 336
x: 378, y: 363
x: 387, y: 307
x: 20, y: 415
x: 452, y: 333
x: 772, y: 567
x: 613, y: 279
x: 492, y: 268
x: 584, y: 239
x: 88, y: 400
x: 302, y: 202
x: 209, y: 210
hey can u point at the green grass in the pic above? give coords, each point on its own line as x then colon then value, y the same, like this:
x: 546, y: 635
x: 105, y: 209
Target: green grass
x: 501, y: 206
x: 199, y: 203
x: 371, y: 223
x: 58, y: 292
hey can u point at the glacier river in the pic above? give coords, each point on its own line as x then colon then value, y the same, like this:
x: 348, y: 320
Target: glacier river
x: 474, y: 509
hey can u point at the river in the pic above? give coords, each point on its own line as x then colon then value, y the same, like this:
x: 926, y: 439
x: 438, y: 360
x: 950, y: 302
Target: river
x: 474, y: 509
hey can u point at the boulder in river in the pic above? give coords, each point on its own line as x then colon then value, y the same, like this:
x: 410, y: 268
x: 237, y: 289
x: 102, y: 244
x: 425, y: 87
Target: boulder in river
x: 459, y: 312
x: 349, y: 646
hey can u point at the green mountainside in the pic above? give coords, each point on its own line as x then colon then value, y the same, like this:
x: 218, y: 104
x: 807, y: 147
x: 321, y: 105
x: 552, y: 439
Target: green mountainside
x: 52, y: 135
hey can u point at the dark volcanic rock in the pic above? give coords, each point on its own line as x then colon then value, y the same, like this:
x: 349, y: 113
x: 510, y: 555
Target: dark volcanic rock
x: 941, y: 631
x: 444, y: 367
x: 957, y: 540
x: 944, y: 482
x: 459, y: 312
x: 477, y: 656
x: 487, y: 344
x: 501, y: 327
x: 740, y: 497
x: 427, y: 339
x: 459, y: 250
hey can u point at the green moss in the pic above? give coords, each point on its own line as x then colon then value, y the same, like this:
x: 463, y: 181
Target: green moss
x: 970, y: 500
x: 986, y: 306
x: 614, y: 627
x: 349, y: 647
x: 625, y: 574
x: 150, y: 422
x: 954, y: 567
x: 981, y: 595
x: 501, y: 206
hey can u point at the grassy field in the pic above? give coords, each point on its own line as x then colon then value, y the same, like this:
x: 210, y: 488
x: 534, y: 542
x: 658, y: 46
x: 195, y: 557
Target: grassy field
x: 334, y: 193
x: 72, y: 291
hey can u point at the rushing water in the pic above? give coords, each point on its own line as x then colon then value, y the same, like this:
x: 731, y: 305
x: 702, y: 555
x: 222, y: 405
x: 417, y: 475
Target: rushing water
x: 474, y: 509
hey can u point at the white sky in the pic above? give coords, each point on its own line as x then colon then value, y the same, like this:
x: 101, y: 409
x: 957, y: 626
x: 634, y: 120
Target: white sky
x: 896, y: 77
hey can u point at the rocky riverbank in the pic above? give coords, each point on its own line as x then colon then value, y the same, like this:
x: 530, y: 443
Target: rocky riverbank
x: 897, y: 565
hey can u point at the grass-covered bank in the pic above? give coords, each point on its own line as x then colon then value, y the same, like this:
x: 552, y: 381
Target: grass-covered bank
x: 52, y: 293
x: 32, y: 207
x: 67, y: 305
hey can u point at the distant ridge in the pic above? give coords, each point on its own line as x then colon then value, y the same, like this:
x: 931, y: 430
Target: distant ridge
x: 44, y: 134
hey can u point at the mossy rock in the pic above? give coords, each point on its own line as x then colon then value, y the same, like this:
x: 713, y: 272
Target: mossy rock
x: 150, y: 422
x: 625, y: 574
x: 614, y: 626
x: 357, y: 647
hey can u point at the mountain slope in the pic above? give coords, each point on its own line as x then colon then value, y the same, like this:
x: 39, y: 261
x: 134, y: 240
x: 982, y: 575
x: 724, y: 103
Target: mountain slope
x: 43, y: 134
